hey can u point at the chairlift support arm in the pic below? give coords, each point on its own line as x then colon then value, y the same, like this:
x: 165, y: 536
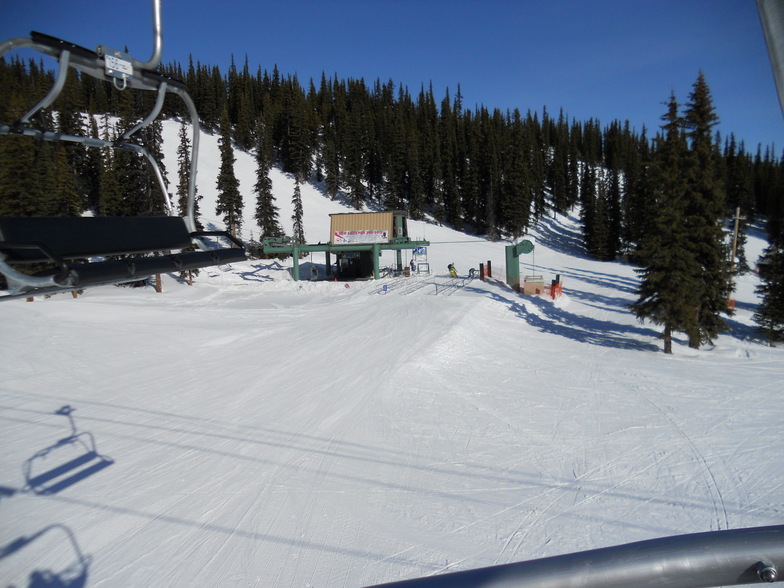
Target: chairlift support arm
x: 142, y: 76
x: 59, y: 241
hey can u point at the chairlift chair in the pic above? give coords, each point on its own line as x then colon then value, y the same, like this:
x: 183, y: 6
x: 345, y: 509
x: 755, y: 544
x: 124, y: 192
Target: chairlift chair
x: 64, y: 243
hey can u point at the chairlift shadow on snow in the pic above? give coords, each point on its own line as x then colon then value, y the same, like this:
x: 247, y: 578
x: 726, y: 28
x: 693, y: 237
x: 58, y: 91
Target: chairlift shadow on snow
x: 66, y: 462
x: 50, y: 558
x: 6, y: 492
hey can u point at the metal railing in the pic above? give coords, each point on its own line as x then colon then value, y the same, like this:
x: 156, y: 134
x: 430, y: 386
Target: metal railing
x: 701, y: 560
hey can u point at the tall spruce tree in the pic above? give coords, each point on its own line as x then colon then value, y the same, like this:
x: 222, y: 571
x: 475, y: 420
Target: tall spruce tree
x: 18, y: 178
x: 110, y: 193
x: 91, y: 173
x: 704, y: 212
x: 266, y: 210
x: 516, y: 196
x: 229, y: 198
x: 66, y: 200
x: 133, y: 175
x: 155, y: 202
x: 669, y: 276
x: 770, y: 313
x: 297, y: 216
x: 184, y: 175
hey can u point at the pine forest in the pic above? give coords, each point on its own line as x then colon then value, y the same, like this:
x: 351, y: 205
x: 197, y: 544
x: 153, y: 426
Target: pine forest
x: 663, y: 199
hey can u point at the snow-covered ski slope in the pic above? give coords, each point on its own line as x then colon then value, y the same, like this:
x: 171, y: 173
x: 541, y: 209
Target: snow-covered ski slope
x: 255, y: 431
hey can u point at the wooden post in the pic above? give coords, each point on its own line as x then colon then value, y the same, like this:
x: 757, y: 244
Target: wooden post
x: 158, y: 286
x: 482, y: 272
x: 489, y: 269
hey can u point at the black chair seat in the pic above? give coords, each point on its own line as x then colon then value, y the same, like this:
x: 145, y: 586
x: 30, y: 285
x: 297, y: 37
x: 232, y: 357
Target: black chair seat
x: 68, y: 242
x: 28, y: 239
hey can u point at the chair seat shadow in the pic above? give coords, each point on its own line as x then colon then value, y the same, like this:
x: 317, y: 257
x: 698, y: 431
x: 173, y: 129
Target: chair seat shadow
x: 49, y: 558
x: 66, y: 462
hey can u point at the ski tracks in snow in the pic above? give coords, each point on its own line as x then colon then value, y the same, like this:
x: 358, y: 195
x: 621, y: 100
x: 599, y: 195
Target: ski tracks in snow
x: 720, y: 516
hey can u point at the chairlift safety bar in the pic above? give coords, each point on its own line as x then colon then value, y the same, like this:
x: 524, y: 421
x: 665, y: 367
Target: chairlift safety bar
x: 110, y: 65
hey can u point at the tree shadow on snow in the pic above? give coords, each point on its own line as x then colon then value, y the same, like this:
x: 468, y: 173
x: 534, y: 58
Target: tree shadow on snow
x: 601, y: 302
x: 550, y: 319
x: 552, y: 234
x: 600, y: 279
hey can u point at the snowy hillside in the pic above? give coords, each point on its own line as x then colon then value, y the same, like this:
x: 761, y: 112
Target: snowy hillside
x: 255, y: 431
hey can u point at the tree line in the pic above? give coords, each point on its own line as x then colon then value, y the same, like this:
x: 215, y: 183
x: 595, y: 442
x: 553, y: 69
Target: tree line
x: 480, y: 170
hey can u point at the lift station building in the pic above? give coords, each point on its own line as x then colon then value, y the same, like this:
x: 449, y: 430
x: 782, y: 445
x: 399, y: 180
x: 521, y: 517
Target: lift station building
x: 357, y: 240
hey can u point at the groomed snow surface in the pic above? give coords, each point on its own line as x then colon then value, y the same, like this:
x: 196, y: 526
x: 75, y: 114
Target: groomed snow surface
x: 251, y: 430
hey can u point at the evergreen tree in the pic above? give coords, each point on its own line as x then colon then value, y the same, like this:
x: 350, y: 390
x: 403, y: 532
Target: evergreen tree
x: 704, y: 213
x: 66, y: 200
x: 614, y: 217
x: 294, y: 131
x: 331, y: 160
x: 740, y: 194
x: 638, y: 205
x: 70, y: 122
x: 669, y: 276
x: 91, y: 171
x: 590, y: 213
x: 229, y: 198
x: 155, y: 198
x: 19, y: 178
x: 430, y: 154
x: 516, y: 196
x: 447, y: 129
x: 414, y: 186
x: 770, y: 313
x: 110, y: 195
x: 558, y: 168
x: 396, y: 184
x: 489, y: 172
x: 354, y: 144
x: 131, y: 168
x: 537, y: 165
x: 297, y: 217
x: 184, y: 174
x: 266, y: 211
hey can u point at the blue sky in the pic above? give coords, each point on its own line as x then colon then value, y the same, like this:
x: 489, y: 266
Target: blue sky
x: 601, y: 59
